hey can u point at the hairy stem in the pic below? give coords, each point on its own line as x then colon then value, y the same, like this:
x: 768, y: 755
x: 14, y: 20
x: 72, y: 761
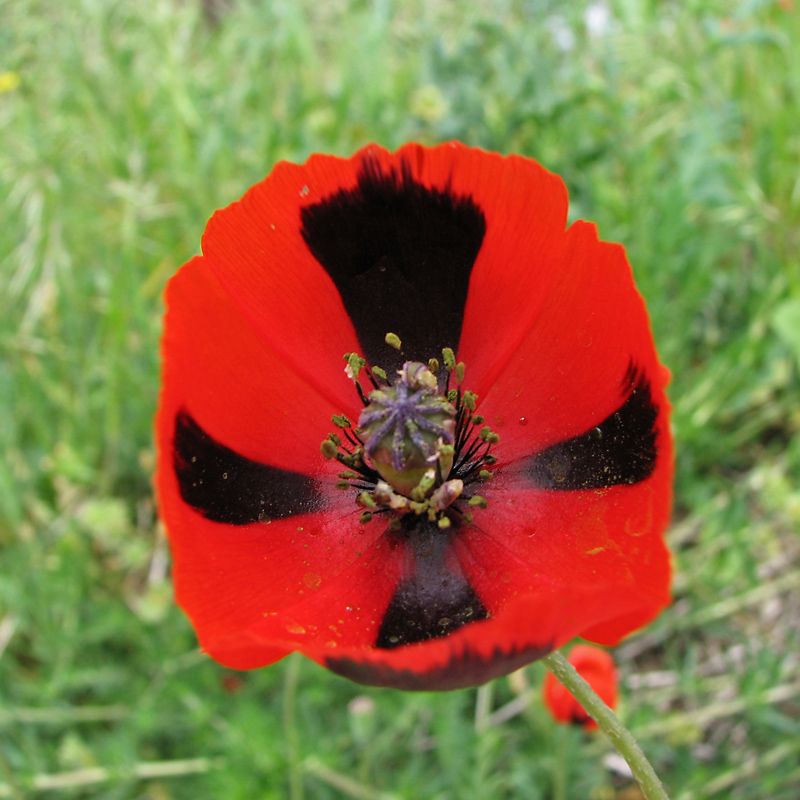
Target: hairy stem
x: 620, y: 737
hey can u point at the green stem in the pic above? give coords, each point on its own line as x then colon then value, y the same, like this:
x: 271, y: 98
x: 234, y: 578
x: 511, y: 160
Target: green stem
x: 620, y: 737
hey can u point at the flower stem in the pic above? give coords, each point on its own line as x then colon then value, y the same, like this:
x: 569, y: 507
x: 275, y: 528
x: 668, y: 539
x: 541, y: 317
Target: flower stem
x: 620, y: 737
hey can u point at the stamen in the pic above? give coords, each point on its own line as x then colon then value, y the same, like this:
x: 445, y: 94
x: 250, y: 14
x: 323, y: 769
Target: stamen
x: 417, y: 446
x: 328, y: 449
x: 393, y: 340
x: 449, y: 359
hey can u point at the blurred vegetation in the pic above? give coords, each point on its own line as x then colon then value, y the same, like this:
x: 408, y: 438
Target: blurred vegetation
x: 124, y: 124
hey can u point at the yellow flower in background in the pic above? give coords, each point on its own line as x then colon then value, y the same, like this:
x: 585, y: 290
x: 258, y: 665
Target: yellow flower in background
x: 8, y: 81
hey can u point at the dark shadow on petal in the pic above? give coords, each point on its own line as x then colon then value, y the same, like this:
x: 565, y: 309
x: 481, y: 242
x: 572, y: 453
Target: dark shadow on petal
x: 401, y: 256
x: 227, y: 487
x: 463, y: 671
x: 435, y: 598
x: 619, y: 450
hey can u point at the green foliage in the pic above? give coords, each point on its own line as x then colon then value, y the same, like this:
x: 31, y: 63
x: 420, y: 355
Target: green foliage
x: 124, y: 125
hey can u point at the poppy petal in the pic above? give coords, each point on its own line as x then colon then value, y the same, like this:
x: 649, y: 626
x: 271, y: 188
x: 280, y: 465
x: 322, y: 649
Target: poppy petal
x: 220, y: 370
x: 620, y: 449
x: 377, y: 243
x: 445, y: 639
x: 250, y: 460
x: 434, y: 598
x: 226, y: 487
x: 399, y: 252
x: 580, y: 360
x: 608, y: 542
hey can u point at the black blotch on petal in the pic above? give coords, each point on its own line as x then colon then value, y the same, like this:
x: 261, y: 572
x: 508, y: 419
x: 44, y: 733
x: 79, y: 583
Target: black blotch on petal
x: 619, y: 450
x: 227, y: 487
x: 464, y: 670
x: 434, y: 600
x: 401, y: 256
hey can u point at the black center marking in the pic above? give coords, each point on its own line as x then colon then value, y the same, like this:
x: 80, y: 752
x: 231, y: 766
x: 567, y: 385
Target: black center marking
x: 619, y: 450
x: 434, y: 600
x: 227, y: 487
x: 466, y: 669
x: 401, y: 256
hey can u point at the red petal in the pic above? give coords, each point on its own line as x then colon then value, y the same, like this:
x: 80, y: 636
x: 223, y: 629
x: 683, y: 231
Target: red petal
x: 239, y: 388
x: 512, y: 281
x: 566, y: 375
x: 340, y: 613
x: 255, y: 250
x: 600, y: 550
x: 246, y: 396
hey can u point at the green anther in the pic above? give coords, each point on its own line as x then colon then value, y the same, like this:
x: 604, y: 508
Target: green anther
x: 485, y: 475
x: 433, y: 364
x: 446, y: 451
x: 340, y: 421
x: 379, y: 374
x: 469, y: 399
x: 477, y: 500
x: 418, y: 494
x: 444, y: 522
x: 488, y: 436
x: 449, y: 359
x: 342, y: 485
x: 365, y: 517
x: 490, y: 460
x: 348, y: 476
x: 468, y: 518
x: 335, y: 439
x: 477, y: 420
x: 328, y: 449
x: 431, y: 515
x: 452, y: 396
x: 461, y: 371
x: 365, y: 500
x: 393, y: 340
x: 427, y: 481
x: 355, y: 362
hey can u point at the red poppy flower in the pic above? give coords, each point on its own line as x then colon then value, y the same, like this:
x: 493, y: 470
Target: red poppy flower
x: 496, y: 478
x: 597, y: 668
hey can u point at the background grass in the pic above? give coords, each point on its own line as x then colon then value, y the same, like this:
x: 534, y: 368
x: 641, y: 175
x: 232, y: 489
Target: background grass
x: 124, y: 124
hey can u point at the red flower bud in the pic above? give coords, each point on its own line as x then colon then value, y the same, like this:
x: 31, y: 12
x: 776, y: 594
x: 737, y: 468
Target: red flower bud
x: 596, y: 667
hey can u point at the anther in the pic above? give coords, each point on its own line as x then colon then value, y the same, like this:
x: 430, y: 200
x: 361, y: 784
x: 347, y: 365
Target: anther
x: 393, y: 340
x: 328, y: 449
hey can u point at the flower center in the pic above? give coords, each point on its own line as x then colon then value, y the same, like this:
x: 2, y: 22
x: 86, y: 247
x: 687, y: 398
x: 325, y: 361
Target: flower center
x: 408, y: 429
x: 416, y: 448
